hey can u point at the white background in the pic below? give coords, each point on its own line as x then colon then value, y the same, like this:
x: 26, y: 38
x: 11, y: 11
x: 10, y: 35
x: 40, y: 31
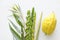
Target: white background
x: 45, y: 6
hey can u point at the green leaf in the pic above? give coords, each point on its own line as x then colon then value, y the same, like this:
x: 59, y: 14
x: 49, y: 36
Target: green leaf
x: 15, y: 34
x: 17, y: 29
x: 20, y: 24
x: 13, y: 11
x: 16, y: 8
x: 33, y: 18
x: 30, y: 25
x: 17, y: 20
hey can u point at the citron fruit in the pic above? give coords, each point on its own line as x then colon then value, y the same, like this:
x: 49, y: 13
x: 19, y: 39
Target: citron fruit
x: 49, y: 24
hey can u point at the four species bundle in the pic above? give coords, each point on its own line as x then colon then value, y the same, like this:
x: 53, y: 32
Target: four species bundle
x: 27, y: 30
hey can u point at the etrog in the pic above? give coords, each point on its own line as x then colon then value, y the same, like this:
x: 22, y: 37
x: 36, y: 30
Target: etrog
x: 49, y: 24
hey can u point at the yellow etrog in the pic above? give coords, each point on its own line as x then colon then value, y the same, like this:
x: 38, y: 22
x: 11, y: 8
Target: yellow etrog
x: 49, y: 24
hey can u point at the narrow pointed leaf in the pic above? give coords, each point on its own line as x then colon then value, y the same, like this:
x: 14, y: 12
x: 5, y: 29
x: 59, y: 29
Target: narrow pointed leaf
x: 17, y: 20
x: 20, y: 24
x: 17, y: 29
x: 15, y: 34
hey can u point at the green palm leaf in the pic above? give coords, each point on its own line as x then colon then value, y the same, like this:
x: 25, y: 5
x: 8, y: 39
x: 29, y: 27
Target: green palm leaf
x: 17, y: 17
x: 19, y: 22
x: 15, y: 34
x: 15, y: 27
